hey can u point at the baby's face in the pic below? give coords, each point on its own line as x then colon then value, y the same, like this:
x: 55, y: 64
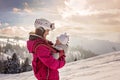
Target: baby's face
x: 57, y: 42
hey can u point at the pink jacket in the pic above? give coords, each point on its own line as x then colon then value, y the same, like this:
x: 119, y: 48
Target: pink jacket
x: 45, y: 67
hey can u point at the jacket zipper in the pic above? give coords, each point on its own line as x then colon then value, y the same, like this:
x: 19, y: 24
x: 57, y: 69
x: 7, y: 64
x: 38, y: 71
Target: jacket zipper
x: 47, y: 73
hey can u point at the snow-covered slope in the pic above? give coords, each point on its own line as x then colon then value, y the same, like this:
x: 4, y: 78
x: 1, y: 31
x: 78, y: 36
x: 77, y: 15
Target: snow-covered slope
x: 103, y: 67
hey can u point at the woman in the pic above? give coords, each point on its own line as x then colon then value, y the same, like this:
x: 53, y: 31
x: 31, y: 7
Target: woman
x: 45, y: 66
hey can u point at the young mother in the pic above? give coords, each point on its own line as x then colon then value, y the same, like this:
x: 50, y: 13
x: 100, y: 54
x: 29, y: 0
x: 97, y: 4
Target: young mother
x: 45, y: 66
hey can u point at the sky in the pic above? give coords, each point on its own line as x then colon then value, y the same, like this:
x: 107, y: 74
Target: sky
x: 95, y: 19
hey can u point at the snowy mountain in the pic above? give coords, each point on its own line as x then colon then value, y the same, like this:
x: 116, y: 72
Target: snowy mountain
x: 103, y: 67
x: 95, y: 45
x: 98, y: 46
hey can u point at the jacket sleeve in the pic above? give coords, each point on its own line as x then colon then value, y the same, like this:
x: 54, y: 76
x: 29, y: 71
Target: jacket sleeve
x: 45, y: 56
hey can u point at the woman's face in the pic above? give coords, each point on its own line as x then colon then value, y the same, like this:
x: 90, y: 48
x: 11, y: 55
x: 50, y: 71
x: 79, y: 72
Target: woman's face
x: 46, y: 33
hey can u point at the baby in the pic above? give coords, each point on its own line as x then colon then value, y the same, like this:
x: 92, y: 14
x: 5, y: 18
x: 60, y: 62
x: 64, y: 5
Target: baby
x: 61, y: 44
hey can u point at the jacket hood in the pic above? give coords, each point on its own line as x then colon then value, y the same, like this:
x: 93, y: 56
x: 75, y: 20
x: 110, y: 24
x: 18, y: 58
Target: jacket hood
x: 31, y: 42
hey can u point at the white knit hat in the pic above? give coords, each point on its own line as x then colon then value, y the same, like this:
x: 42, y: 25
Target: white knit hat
x: 44, y: 23
x: 63, y: 38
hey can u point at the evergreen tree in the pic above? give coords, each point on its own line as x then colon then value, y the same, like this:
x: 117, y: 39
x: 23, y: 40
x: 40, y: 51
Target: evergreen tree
x: 14, y: 57
x: 27, y: 62
x: 12, y: 65
x: 0, y: 49
x: 2, y: 68
x: 26, y: 66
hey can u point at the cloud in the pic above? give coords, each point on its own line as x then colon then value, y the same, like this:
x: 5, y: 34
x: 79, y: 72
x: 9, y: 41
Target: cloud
x: 79, y: 7
x: 97, y: 18
x: 16, y: 10
x: 6, y: 24
x: 93, y: 15
x: 103, y: 4
x: 50, y: 7
x: 3, y: 25
x: 25, y: 12
x: 12, y: 30
x: 26, y: 9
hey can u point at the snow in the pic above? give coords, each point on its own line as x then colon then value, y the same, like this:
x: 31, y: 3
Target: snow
x: 103, y: 67
x: 4, y: 56
x: 12, y: 41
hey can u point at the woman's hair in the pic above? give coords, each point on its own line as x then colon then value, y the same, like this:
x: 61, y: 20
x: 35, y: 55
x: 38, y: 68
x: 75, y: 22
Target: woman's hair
x: 40, y: 31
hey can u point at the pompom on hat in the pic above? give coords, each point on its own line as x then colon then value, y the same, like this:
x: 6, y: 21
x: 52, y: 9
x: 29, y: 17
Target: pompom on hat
x: 44, y: 23
x: 63, y: 38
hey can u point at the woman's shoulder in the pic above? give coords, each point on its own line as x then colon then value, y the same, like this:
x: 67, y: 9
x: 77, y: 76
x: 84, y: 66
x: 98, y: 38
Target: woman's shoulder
x: 42, y: 46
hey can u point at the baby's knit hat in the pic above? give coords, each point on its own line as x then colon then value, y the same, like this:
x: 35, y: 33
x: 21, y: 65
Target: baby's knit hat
x: 63, y: 38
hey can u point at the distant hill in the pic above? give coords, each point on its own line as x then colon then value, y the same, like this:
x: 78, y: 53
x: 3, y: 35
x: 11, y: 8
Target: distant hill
x: 96, y: 46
